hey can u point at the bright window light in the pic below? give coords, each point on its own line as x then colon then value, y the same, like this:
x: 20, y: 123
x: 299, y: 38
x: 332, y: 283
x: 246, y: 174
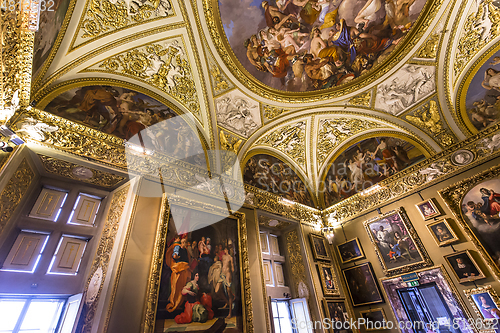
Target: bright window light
x: 10, y: 310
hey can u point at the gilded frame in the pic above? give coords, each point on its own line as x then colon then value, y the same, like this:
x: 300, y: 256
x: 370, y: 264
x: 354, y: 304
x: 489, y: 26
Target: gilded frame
x: 372, y: 277
x: 328, y: 315
x: 319, y: 256
x: 384, y: 320
x: 448, y: 227
x: 433, y: 204
x: 469, y: 293
x: 326, y: 291
x: 425, y: 259
x: 153, y: 288
x: 453, y: 196
x: 361, y: 256
x: 474, y: 263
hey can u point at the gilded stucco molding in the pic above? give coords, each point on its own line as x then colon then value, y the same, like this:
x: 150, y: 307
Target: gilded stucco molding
x: 484, y: 145
x: 223, y: 48
x: 162, y: 64
x: 270, y: 112
x: 100, y: 264
x: 103, y: 17
x: 429, y: 50
x: 363, y: 99
x: 76, y: 172
x: 219, y: 80
x: 14, y: 191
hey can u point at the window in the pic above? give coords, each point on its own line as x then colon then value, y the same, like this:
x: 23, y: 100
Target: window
x: 281, y: 316
x: 48, y: 205
x: 85, y: 210
x: 273, y: 263
x: 290, y: 316
x: 68, y: 255
x: 30, y: 314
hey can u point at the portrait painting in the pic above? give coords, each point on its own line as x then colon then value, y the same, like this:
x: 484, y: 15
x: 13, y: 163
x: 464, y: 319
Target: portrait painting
x: 396, y: 243
x: 50, y: 23
x: 362, y: 285
x: 350, y: 251
x: 337, y: 312
x: 201, y: 277
x: 301, y: 45
x: 126, y: 113
x: 428, y: 209
x: 319, y: 247
x: 482, y: 100
x: 442, y: 232
x: 271, y: 174
x: 464, y: 266
x: 328, y: 280
x: 475, y: 202
x: 375, y: 319
x: 366, y: 163
x: 485, y: 302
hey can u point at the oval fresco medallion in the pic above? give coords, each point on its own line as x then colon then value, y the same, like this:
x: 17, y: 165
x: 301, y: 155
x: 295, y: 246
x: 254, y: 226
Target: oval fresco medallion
x: 482, y: 100
x: 273, y: 175
x: 366, y: 163
x: 307, y: 45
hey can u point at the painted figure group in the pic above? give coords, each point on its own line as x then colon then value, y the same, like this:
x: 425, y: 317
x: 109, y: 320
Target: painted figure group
x: 293, y: 46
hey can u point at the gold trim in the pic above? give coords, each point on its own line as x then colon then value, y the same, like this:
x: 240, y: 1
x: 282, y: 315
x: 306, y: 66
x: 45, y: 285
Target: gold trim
x: 469, y: 279
x: 384, y: 320
x: 354, y: 258
x: 448, y: 227
x: 336, y: 289
x: 483, y: 289
x: 434, y: 206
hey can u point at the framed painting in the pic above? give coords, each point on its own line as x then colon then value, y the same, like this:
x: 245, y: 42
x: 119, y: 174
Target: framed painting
x: 464, y: 266
x: 362, y: 285
x: 428, y: 209
x: 350, y: 251
x: 319, y: 247
x: 486, y: 303
x: 474, y: 203
x: 442, y: 232
x: 339, y: 315
x: 396, y: 243
x: 374, y: 319
x: 328, y: 280
x: 198, y: 274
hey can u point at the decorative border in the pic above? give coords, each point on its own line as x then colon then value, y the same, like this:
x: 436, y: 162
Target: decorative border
x: 426, y: 260
x: 450, y: 230
x: 149, y: 315
x: 453, y: 196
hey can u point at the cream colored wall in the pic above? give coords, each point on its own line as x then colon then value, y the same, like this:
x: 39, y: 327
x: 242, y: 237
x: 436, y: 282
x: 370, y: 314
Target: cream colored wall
x: 355, y: 228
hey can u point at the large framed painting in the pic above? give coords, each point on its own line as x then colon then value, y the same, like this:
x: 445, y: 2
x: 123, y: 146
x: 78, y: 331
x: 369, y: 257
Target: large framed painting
x: 350, y: 251
x: 199, y: 273
x: 486, y: 303
x: 396, y: 243
x: 475, y: 203
x: 362, y: 285
x: 464, y: 266
x: 339, y: 315
x: 328, y: 280
x: 319, y: 247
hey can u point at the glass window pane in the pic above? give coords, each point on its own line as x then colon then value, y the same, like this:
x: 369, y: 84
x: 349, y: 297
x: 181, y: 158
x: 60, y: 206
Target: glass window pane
x: 283, y: 309
x: 42, y: 316
x: 274, y: 308
x: 277, y: 328
x: 286, y: 325
x: 9, y: 313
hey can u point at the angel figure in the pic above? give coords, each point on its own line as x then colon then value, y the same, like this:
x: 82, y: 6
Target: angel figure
x: 34, y: 128
x: 429, y: 119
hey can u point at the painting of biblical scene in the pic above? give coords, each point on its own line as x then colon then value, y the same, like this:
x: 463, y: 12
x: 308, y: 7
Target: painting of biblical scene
x: 51, y: 20
x: 362, y: 285
x: 200, y: 287
x: 319, y: 247
x: 481, y: 209
x: 350, y: 251
x: 396, y: 242
x: 303, y: 45
x: 483, y: 94
x: 337, y: 312
x: 366, y: 163
x: 124, y: 113
x: 271, y: 174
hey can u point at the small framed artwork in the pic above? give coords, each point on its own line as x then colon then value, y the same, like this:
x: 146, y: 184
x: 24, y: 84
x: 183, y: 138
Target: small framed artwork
x: 328, y: 280
x: 375, y: 319
x: 362, y: 285
x: 428, y: 209
x: 442, y: 232
x: 337, y: 311
x: 485, y: 302
x: 319, y: 247
x: 350, y: 251
x: 464, y: 267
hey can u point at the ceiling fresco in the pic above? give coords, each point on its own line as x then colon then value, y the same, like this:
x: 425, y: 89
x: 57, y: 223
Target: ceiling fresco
x: 301, y: 45
x: 271, y: 174
x: 366, y: 163
x: 483, y: 94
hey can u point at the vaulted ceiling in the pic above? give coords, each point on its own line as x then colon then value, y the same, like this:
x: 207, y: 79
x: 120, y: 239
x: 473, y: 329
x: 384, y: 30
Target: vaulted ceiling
x: 177, y: 53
